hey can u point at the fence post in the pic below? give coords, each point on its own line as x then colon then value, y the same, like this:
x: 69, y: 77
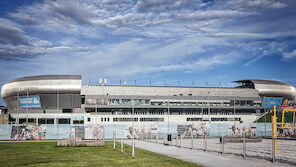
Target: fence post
x: 121, y: 145
x: 133, y: 149
x: 244, y: 147
x: 181, y: 138
x: 206, y: 143
x: 38, y: 132
x: 151, y: 136
x: 273, y: 152
x: 222, y: 140
x: 114, y: 142
x: 143, y: 136
x: 192, y: 146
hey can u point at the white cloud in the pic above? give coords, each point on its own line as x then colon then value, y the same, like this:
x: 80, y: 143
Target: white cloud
x: 289, y: 55
x: 255, y: 4
x: 133, y: 37
x: 11, y: 33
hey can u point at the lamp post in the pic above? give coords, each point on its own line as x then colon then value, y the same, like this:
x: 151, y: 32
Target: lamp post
x: 168, y: 120
x: 18, y: 118
x: 202, y: 103
x: 209, y: 108
x: 27, y: 105
x: 234, y: 111
x: 133, y: 143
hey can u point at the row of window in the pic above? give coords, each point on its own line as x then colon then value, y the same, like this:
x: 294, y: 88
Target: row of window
x: 45, y: 121
x: 205, y: 103
x: 137, y: 119
x: 214, y: 119
x: 171, y: 103
x: 173, y: 111
x: 125, y: 119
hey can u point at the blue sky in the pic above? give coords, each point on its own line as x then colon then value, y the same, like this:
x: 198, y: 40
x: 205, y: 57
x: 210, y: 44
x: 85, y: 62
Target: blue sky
x: 182, y: 40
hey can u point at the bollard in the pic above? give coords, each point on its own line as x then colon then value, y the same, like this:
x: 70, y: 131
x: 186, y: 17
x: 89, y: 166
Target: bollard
x: 146, y: 136
x: 222, y: 139
x: 177, y: 137
x: 181, y: 138
x: 157, y: 137
x: 192, y: 141
x: 121, y: 145
x: 133, y: 149
x: 244, y: 147
x: 206, y: 143
x: 114, y: 140
x: 273, y: 152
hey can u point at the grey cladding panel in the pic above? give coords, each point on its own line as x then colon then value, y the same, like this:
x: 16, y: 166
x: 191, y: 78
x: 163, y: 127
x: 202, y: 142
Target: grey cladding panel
x: 66, y: 101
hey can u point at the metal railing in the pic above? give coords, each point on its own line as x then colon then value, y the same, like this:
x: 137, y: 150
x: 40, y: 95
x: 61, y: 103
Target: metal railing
x: 252, y: 147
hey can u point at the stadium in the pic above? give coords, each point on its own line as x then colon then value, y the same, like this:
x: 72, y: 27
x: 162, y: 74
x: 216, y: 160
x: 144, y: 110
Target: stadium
x: 50, y: 100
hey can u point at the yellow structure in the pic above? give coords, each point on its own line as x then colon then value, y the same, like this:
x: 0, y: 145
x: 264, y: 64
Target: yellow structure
x: 274, y: 129
x: 283, y: 117
x: 274, y: 123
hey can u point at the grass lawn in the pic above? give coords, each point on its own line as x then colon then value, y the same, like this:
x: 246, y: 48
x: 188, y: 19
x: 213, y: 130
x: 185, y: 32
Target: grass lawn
x: 47, y: 154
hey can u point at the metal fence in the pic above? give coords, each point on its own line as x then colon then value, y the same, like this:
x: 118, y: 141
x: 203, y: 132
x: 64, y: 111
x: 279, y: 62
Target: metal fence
x: 239, y: 146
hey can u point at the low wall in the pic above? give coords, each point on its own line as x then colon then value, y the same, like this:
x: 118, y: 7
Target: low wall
x: 105, y: 131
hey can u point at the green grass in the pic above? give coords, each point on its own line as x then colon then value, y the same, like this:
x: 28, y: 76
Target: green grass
x: 47, y: 154
x: 288, y: 118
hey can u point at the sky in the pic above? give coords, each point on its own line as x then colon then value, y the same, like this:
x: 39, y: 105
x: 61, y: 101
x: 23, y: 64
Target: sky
x: 210, y: 43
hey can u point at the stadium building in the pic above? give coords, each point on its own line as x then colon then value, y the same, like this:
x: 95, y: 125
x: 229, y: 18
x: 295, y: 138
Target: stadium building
x: 62, y: 99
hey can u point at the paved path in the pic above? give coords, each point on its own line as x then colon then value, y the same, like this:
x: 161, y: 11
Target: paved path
x: 205, y: 158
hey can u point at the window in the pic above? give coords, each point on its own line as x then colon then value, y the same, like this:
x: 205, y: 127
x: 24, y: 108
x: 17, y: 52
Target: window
x: 88, y: 119
x: 50, y: 121
x: 22, y: 120
x: 250, y: 103
x: 102, y: 120
x: 83, y: 99
x: 125, y: 119
x: 41, y: 121
x: 46, y: 121
x: 194, y: 119
x: 32, y: 120
x: 126, y: 101
x: 151, y: 119
x: 147, y: 101
x: 64, y: 121
x: 67, y: 110
x: 78, y: 122
x: 218, y: 119
x: 88, y: 110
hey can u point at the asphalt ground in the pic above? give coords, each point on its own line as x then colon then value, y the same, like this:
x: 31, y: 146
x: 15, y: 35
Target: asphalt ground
x: 209, y: 159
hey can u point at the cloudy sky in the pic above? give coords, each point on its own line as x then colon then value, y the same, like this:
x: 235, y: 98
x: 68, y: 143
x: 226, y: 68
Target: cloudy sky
x: 183, y: 40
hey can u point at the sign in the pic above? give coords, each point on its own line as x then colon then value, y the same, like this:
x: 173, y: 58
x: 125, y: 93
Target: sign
x: 29, y: 101
x: 269, y: 102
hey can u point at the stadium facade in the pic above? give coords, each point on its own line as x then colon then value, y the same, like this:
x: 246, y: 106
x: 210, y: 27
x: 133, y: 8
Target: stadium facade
x: 61, y: 99
x: 59, y: 106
